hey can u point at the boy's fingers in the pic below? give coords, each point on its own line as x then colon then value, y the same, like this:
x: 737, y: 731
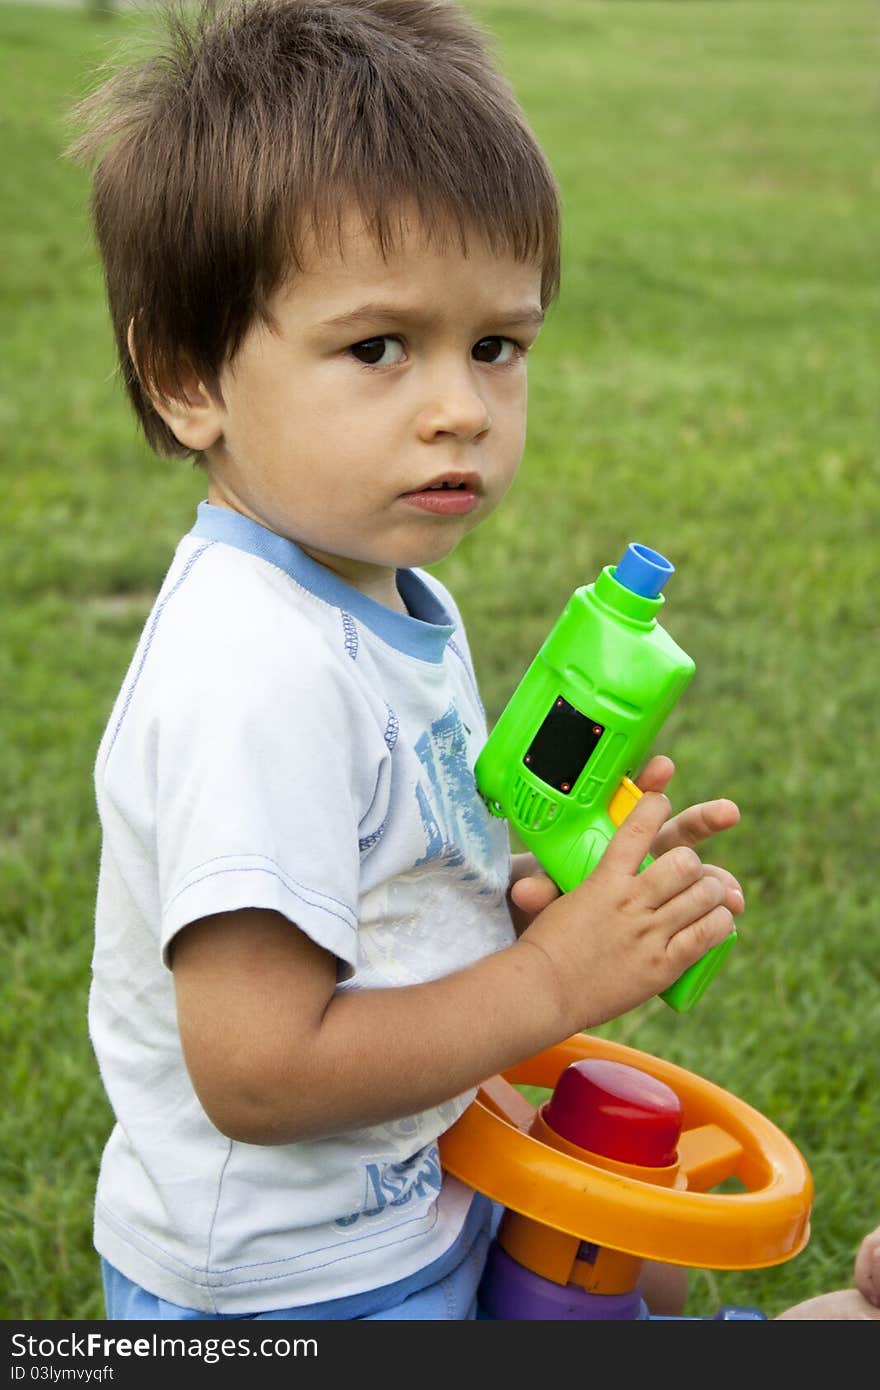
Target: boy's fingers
x: 734, y: 895
x: 697, y: 823
x: 708, y: 929
x: 656, y: 775
x: 695, y: 899
x: 534, y: 892
x: 632, y: 841
x: 674, y: 874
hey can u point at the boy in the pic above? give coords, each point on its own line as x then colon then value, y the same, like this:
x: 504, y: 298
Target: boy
x: 329, y: 241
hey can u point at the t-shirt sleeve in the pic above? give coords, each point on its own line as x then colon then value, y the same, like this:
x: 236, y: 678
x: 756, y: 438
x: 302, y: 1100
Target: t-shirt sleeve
x: 266, y: 774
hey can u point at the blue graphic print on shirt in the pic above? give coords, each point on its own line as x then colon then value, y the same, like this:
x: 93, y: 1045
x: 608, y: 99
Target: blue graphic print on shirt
x: 395, y: 1184
x: 454, y: 818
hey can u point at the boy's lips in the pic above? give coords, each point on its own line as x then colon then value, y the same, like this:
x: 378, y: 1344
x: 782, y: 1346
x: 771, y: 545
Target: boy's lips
x: 449, y: 494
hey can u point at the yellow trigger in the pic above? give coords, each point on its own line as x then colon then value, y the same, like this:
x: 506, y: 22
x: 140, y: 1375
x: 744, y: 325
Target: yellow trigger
x: 623, y: 801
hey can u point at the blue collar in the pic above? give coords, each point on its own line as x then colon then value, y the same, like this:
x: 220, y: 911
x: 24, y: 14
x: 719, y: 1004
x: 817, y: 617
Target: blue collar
x: 422, y: 632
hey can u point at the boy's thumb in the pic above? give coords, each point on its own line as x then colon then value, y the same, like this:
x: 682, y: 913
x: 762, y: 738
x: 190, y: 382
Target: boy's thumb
x: 534, y: 892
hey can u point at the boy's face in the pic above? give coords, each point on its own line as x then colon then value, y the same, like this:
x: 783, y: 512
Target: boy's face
x: 385, y: 416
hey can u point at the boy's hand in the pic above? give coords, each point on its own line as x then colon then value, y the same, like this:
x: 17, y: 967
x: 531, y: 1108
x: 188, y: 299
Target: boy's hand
x: 625, y: 934
x: 691, y: 826
x: 532, y: 890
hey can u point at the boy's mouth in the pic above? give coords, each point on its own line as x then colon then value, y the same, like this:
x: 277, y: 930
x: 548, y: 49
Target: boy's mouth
x: 450, y: 494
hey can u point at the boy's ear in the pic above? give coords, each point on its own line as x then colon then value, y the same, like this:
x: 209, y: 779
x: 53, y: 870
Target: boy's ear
x: 194, y: 417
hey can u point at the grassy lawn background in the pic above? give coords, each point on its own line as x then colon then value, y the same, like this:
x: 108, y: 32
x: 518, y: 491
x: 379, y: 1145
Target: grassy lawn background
x: 707, y: 385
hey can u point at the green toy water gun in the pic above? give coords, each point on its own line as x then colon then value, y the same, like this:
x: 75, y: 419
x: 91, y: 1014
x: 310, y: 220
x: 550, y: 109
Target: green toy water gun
x: 558, y: 764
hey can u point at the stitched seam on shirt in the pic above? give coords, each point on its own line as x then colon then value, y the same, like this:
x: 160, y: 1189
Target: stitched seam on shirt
x: 369, y: 841
x: 452, y: 646
x: 264, y: 860
x: 392, y: 730
x: 149, y: 642
x: 349, y: 627
x: 213, y: 1222
x: 288, y: 883
x: 170, y: 1262
x: 218, y: 1279
x: 221, y: 1279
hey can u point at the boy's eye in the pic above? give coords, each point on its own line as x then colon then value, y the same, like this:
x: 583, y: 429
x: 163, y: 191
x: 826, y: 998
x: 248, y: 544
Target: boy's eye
x: 496, y: 351
x: 378, y: 352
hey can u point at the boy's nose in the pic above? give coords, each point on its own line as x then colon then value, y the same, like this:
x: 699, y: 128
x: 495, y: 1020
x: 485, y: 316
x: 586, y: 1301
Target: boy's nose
x: 455, y: 407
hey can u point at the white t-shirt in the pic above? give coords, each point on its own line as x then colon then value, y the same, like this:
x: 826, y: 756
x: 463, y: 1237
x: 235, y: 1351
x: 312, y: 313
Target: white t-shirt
x: 282, y: 741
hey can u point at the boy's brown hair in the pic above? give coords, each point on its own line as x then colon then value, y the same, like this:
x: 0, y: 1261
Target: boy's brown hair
x: 258, y: 123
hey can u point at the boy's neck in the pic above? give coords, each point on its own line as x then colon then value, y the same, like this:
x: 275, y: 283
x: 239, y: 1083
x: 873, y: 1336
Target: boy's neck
x: 371, y: 580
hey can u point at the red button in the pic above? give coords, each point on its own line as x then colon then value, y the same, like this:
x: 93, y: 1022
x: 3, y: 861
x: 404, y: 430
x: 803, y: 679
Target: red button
x: 616, y: 1110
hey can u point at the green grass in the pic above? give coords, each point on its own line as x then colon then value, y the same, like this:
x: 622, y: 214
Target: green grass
x: 707, y: 384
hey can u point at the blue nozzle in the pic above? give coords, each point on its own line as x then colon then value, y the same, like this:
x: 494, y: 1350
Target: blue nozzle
x: 643, y: 571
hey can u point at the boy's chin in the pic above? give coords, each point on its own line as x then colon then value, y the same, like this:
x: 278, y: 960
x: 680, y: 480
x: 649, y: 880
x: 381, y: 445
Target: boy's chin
x: 433, y: 549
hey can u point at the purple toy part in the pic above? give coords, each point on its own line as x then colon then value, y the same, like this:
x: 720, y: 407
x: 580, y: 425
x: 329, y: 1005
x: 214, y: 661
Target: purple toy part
x: 511, y: 1293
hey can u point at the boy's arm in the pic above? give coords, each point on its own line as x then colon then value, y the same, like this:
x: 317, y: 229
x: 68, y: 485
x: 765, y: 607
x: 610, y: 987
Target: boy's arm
x: 277, y: 1054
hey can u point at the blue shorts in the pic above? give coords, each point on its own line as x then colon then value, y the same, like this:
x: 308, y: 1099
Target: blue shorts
x: 445, y: 1291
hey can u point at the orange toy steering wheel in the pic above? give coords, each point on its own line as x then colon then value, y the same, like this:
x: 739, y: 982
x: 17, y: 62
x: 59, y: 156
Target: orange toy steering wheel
x: 764, y: 1223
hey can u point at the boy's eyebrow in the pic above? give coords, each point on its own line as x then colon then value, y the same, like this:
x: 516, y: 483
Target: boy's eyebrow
x: 376, y: 310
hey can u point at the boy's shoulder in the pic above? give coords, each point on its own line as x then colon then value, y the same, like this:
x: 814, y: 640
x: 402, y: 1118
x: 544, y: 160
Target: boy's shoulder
x: 230, y: 614
x: 218, y: 590
x: 222, y: 612
x: 231, y: 642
